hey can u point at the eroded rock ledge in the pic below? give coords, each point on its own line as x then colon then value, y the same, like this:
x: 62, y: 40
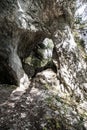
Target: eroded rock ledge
x: 42, y: 67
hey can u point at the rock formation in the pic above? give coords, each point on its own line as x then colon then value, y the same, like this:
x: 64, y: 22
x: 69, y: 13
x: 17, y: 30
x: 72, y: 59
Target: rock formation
x: 39, y: 56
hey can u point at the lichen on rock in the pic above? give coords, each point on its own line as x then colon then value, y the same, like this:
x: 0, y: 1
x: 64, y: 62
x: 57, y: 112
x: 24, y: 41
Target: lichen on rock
x: 40, y: 57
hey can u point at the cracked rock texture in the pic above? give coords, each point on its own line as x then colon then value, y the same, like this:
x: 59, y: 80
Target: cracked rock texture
x: 43, y: 73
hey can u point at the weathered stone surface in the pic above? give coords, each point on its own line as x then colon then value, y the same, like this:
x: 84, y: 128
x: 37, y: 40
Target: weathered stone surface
x: 48, y: 97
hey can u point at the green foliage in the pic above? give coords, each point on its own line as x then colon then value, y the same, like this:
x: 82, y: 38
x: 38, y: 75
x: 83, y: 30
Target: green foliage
x: 81, y: 42
x: 47, y: 86
x: 78, y: 20
x: 52, y: 124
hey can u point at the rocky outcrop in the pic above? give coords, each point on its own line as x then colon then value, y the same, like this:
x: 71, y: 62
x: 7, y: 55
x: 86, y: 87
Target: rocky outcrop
x: 41, y: 58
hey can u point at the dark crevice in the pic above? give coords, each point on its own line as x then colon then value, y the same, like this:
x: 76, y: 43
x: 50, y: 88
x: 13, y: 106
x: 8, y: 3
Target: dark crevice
x: 7, y: 76
x: 49, y: 65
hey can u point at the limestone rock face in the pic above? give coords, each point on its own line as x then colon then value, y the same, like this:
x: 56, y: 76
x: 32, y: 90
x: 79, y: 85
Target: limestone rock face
x: 39, y: 56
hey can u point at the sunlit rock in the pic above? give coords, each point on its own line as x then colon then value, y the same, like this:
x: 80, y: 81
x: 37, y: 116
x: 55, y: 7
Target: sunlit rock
x: 39, y: 54
x: 42, y: 54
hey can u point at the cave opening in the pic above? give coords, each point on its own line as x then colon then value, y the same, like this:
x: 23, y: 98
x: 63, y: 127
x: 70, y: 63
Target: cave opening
x: 6, y: 75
